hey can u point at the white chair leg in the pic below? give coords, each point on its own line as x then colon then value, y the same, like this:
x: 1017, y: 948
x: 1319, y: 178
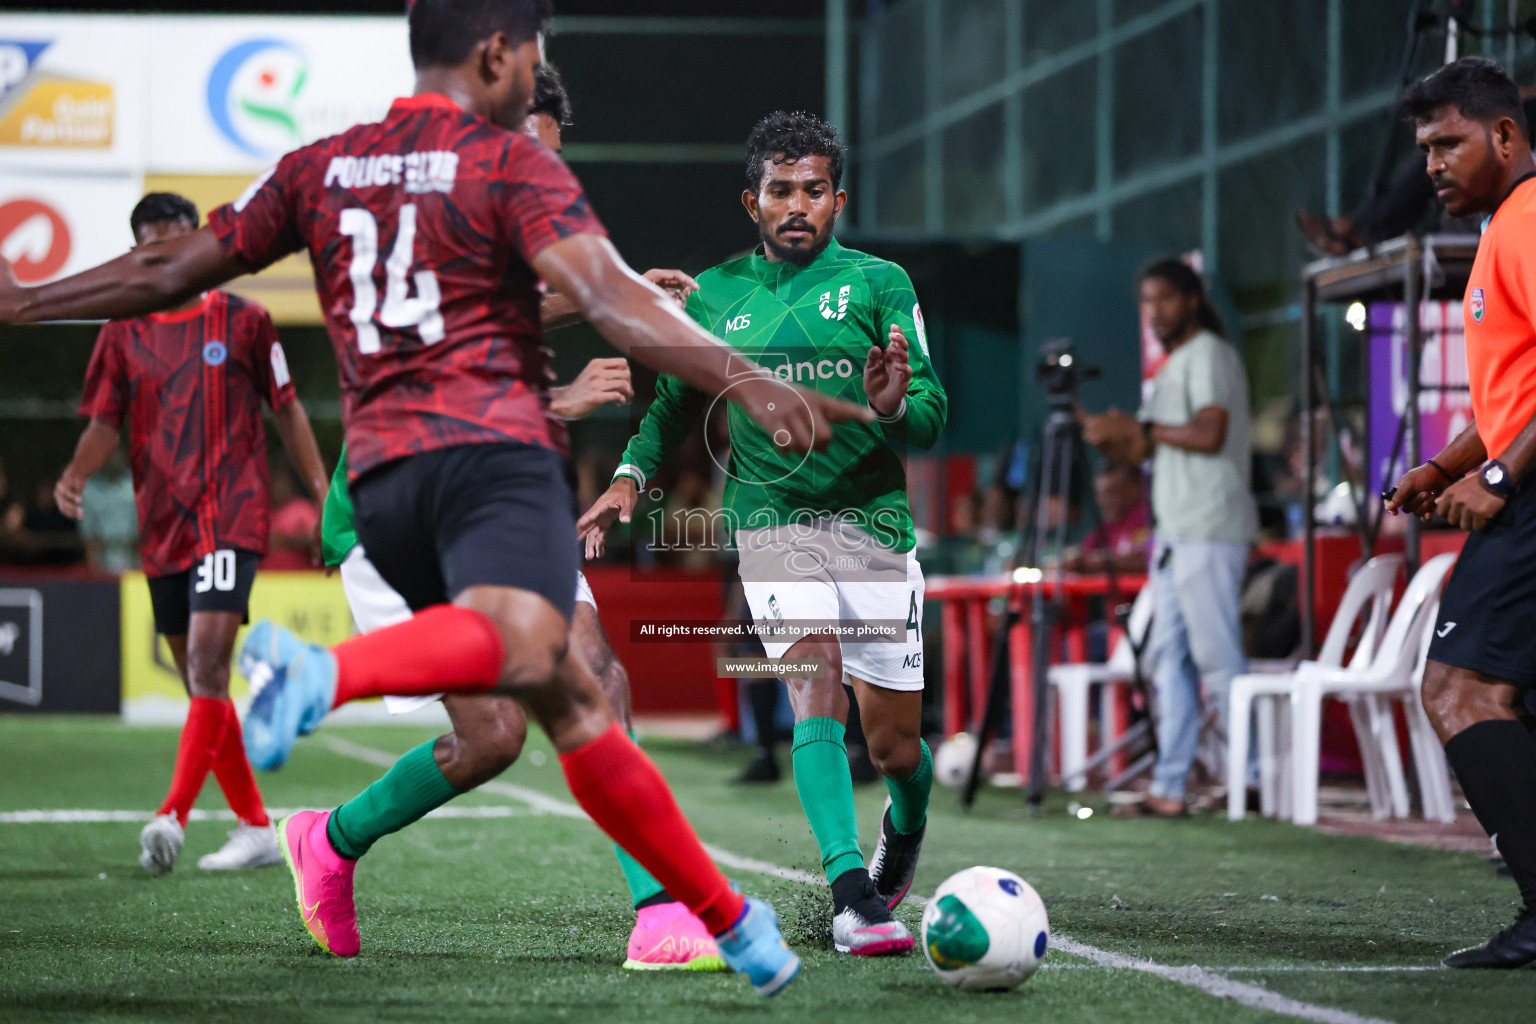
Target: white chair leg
x: 1384, y: 725
x: 1285, y: 761
x: 1429, y: 761
x: 1376, y: 787
x: 1072, y: 702
x: 1266, y: 711
x: 1239, y: 701
x: 1306, y: 726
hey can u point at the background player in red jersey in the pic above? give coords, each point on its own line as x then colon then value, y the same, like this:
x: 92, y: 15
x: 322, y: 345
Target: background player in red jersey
x: 456, y: 484
x: 190, y: 382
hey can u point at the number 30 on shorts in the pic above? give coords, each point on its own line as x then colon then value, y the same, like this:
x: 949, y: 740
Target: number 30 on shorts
x: 216, y: 572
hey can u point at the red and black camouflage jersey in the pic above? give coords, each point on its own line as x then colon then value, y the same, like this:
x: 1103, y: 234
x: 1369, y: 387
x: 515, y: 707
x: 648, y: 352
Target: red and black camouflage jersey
x: 422, y: 229
x: 191, y: 385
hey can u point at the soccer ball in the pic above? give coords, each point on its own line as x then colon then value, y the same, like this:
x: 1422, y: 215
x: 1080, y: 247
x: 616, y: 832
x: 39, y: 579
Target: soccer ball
x: 985, y: 930
x: 953, y: 759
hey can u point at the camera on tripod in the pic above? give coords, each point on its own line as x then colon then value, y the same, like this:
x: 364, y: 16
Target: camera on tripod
x: 1060, y: 374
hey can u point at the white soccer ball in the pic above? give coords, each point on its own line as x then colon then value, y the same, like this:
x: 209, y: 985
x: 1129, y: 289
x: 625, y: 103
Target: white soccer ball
x: 953, y: 759
x: 985, y: 930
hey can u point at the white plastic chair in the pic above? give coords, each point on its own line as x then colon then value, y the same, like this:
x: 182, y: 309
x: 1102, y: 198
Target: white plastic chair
x: 1369, y: 593
x: 1074, y: 683
x: 1388, y: 676
x: 1428, y: 754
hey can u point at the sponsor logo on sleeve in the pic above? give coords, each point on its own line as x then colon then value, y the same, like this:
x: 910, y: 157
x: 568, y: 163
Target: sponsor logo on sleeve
x: 1476, y: 305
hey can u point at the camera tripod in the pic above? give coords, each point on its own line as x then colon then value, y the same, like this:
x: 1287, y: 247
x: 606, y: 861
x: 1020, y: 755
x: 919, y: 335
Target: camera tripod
x: 1061, y: 450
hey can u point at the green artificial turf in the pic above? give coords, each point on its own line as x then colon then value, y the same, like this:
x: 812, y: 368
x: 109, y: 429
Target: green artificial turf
x: 525, y: 918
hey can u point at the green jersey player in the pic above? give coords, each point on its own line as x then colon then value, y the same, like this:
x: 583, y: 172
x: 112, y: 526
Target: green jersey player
x: 826, y: 540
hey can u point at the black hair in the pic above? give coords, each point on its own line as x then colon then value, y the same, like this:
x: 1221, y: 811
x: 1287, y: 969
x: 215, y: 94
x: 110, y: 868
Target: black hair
x: 549, y: 95
x: 443, y: 32
x: 783, y: 136
x: 1475, y: 86
x: 1184, y: 279
x: 158, y: 207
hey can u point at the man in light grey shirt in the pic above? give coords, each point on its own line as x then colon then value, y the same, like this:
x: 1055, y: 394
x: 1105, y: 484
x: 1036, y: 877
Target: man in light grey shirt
x: 1194, y: 426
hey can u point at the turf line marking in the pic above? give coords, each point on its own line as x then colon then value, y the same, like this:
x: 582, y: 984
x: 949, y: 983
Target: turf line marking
x: 72, y: 817
x: 1195, y: 977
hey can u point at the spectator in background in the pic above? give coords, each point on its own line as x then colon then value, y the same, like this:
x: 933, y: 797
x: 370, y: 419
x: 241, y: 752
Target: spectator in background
x: 109, y: 522
x: 1195, y: 428
x: 295, y: 526
x: 1122, y: 542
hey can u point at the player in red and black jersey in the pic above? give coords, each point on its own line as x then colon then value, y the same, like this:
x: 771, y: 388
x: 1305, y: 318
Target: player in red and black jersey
x: 190, y: 382
x: 429, y: 232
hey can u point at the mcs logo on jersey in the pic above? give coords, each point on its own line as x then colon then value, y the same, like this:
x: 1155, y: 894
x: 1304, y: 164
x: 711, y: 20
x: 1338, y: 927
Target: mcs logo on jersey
x: 44, y: 109
x: 253, y: 96
x: 35, y: 238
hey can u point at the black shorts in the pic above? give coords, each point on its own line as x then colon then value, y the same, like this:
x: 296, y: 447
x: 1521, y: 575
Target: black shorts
x: 472, y: 515
x: 221, y: 582
x: 1487, y: 620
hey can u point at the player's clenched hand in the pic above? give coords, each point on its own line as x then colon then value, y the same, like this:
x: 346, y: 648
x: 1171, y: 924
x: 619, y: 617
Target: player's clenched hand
x: 674, y: 282
x: 1416, y: 492
x: 616, y: 503
x: 68, y: 493
x: 1468, y: 505
x: 795, y: 418
x: 600, y: 382
x: 887, y: 372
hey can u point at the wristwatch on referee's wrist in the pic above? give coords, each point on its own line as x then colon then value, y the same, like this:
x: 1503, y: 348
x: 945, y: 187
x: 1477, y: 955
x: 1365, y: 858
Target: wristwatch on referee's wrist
x: 1496, y: 477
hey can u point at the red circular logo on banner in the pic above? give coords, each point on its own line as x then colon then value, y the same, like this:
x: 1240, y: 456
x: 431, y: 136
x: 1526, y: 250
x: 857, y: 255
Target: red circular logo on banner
x: 34, y: 237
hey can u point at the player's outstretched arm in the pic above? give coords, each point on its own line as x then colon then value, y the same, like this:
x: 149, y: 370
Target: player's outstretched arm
x: 148, y: 278
x: 556, y: 310
x: 640, y: 320
x: 97, y: 442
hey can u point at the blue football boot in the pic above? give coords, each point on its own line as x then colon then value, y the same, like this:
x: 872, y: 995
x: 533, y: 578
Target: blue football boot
x: 293, y: 685
x: 754, y: 947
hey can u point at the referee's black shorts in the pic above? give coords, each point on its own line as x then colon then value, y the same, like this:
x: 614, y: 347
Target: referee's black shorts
x: 1487, y: 617
x: 497, y: 515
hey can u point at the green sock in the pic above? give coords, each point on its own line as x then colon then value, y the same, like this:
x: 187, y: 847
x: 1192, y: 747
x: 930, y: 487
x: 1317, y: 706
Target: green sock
x: 641, y: 885
x: 822, y: 779
x: 909, y: 796
x: 411, y: 788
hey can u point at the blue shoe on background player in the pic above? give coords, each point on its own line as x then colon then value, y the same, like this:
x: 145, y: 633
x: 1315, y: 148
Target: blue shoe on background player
x: 755, y: 947
x: 293, y: 685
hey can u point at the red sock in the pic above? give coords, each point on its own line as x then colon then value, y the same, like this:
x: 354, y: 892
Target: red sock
x: 195, y: 754
x: 234, y: 773
x: 624, y: 793
x: 445, y: 649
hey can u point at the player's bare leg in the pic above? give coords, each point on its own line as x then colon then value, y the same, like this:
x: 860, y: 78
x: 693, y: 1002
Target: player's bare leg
x: 210, y: 741
x: 862, y: 923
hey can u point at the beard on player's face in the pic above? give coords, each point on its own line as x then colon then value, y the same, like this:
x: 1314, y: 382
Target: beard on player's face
x: 787, y: 246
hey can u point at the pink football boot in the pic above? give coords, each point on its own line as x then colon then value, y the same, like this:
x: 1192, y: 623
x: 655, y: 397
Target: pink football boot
x: 322, y: 878
x: 668, y: 938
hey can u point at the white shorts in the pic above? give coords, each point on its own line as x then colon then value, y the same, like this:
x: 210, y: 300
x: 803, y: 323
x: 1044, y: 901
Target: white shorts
x: 375, y: 604
x: 834, y: 573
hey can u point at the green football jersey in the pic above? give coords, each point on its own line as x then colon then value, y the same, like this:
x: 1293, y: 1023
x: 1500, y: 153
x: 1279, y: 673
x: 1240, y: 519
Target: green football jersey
x: 338, y: 531
x: 813, y: 326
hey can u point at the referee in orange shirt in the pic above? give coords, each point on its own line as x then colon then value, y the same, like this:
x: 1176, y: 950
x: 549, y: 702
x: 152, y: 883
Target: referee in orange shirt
x: 1482, y: 659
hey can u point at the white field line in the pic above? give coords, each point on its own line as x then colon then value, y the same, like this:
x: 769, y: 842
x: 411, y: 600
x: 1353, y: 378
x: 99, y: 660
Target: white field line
x: 134, y: 817
x: 1201, y: 978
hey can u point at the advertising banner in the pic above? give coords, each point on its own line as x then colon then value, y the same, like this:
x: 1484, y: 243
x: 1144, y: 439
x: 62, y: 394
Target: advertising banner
x: 309, y: 603
x: 232, y: 95
x: 58, y: 643
x: 71, y: 93
x: 1445, y: 406
x: 52, y: 225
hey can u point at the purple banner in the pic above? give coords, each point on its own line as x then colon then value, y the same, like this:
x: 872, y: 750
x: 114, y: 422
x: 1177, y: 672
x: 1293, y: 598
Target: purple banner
x: 1442, y: 414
